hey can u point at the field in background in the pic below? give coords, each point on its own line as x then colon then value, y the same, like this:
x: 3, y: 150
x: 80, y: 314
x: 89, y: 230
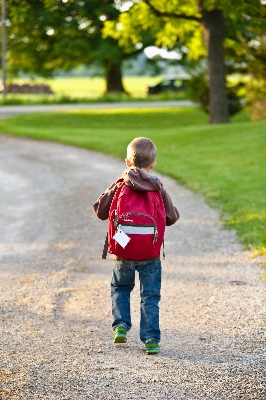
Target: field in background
x: 95, y: 87
x: 88, y: 90
x: 225, y: 163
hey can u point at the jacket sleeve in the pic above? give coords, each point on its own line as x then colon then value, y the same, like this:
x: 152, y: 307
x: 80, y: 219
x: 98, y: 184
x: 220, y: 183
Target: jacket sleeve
x: 172, y: 215
x: 102, y: 205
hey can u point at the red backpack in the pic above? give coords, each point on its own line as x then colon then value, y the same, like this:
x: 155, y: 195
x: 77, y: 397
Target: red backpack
x: 136, y: 224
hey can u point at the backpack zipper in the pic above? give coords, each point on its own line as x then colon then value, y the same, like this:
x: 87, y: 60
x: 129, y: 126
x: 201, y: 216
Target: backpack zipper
x: 155, y: 235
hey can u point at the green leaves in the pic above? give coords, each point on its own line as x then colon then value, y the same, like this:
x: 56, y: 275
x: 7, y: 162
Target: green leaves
x: 166, y: 31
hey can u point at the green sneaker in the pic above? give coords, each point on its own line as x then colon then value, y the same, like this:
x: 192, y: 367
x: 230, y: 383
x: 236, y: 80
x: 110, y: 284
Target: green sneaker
x: 120, y: 334
x: 152, y: 347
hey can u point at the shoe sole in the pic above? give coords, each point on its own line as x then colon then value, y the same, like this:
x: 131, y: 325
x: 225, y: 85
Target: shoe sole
x: 152, y: 351
x: 120, y: 339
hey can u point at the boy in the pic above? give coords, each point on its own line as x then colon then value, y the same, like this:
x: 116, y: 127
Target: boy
x: 140, y: 161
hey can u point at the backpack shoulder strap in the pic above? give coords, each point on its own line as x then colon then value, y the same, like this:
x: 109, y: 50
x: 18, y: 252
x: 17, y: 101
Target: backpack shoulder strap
x: 105, y: 248
x: 117, y: 192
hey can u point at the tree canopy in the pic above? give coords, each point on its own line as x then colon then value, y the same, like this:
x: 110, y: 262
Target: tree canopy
x: 196, y: 28
x: 49, y: 35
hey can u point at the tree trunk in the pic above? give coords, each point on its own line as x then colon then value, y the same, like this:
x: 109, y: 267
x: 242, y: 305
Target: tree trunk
x: 213, y: 23
x: 113, y: 76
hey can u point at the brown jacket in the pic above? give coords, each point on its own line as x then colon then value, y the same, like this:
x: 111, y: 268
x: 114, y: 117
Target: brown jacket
x: 136, y: 179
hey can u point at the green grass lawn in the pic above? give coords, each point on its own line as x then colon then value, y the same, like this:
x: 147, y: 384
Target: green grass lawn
x: 225, y: 163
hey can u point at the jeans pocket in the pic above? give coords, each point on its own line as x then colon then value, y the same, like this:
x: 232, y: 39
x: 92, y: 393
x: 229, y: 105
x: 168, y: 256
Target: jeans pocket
x: 150, y: 267
x: 122, y: 267
x: 123, y: 274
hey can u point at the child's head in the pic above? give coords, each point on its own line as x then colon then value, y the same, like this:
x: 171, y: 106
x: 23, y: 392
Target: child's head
x: 141, y: 153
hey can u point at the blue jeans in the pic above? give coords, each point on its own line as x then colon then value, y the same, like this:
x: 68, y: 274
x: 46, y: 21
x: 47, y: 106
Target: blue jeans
x: 122, y: 284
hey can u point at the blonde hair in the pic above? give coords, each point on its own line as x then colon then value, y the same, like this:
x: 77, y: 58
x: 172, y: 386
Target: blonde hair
x: 141, y: 152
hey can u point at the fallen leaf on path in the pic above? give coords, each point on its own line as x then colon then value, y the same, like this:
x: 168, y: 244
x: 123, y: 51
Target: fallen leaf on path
x: 25, y: 300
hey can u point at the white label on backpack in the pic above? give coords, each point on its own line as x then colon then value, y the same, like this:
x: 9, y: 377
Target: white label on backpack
x: 137, y: 230
x: 121, y: 238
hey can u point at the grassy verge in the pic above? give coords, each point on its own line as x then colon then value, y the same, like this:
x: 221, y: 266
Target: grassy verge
x: 225, y: 163
x: 24, y: 99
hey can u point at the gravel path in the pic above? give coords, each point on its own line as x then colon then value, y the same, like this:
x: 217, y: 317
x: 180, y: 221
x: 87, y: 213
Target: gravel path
x: 55, y: 335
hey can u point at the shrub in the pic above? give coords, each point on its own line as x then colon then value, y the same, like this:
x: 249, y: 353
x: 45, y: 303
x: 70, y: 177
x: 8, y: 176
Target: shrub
x: 198, y: 91
x: 27, y: 88
x: 256, y: 99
